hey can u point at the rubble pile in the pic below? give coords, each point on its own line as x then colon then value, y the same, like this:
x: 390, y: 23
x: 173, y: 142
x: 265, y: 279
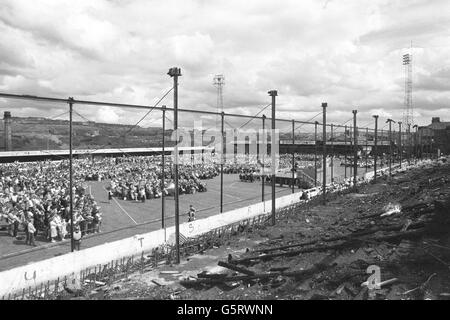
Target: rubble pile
x: 396, y: 224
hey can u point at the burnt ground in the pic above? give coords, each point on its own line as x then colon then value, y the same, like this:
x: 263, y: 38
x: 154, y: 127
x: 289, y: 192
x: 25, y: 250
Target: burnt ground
x: 323, y: 251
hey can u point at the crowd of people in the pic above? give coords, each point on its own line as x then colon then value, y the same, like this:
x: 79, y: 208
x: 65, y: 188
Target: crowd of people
x: 140, y: 178
x: 35, y: 200
x: 35, y: 196
x: 253, y: 163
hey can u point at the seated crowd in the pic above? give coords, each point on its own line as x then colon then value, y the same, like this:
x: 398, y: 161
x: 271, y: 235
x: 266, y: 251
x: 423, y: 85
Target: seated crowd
x: 140, y: 178
x: 35, y: 199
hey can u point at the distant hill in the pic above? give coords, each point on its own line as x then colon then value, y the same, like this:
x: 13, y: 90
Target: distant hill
x: 38, y: 133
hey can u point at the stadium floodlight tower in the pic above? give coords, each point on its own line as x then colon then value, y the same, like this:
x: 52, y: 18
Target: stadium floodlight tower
x: 408, y: 115
x: 219, y: 82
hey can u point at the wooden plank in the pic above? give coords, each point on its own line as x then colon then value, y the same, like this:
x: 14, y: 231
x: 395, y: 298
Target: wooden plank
x: 236, y: 268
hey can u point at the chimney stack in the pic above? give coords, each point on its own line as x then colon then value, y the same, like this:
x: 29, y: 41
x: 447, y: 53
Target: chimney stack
x: 435, y: 120
x: 7, y: 132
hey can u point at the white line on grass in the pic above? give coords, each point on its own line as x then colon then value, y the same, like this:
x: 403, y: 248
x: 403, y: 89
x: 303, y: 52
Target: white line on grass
x: 225, y: 194
x: 125, y: 211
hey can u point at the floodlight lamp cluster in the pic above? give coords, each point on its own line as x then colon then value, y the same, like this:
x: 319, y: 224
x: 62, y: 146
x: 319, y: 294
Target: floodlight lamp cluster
x: 406, y: 59
x: 174, y: 72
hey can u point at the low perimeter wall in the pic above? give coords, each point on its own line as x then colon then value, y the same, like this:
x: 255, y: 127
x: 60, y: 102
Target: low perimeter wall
x: 71, y: 264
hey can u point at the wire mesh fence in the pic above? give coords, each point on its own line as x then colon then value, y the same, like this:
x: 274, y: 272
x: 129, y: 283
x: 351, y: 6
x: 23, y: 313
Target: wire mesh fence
x: 123, y: 169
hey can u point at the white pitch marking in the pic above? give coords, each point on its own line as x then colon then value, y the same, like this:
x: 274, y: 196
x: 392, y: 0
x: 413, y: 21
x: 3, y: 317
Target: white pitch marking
x: 225, y: 194
x: 122, y: 208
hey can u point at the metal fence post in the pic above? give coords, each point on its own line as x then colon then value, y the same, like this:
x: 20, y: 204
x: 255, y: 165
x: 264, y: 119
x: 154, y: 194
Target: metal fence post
x: 72, y: 242
x: 273, y: 94
x: 393, y: 135
x: 324, y: 156
x: 421, y: 145
x: 380, y: 137
x: 163, y: 167
x: 315, y: 153
x: 355, y: 147
x: 222, y: 116
x: 293, y: 156
x: 350, y: 132
x: 400, y: 143
x: 345, y: 152
x: 332, y: 154
x: 235, y: 145
x: 367, y: 149
x: 375, y: 149
x: 264, y: 144
x: 175, y: 73
x: 416, y: 144
x: 390, y: 145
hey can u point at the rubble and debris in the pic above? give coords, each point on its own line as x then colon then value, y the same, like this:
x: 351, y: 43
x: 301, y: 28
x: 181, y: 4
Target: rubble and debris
x: 236, y: 268
x: 97, y: 283
x: 391, y: 209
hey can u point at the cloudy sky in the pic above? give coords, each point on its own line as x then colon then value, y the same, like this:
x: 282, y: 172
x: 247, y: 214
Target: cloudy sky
x: 347, y: 53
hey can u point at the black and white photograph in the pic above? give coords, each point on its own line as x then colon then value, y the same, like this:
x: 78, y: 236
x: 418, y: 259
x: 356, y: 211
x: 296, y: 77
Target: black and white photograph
x: 224, y: 156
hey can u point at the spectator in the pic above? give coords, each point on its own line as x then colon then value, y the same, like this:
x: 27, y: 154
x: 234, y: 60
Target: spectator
x: 53, y: 229
x: 30, y: 231
x: 97, y: 219
x: 77, y: 237
x: 63, y: 229
x: 191, y: 213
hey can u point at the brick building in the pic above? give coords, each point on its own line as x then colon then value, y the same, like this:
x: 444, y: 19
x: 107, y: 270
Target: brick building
x: 436, y: 135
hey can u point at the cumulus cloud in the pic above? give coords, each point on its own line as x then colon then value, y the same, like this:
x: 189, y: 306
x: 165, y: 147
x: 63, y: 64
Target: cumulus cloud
x: 347, y: 53
x: 107, y: 114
